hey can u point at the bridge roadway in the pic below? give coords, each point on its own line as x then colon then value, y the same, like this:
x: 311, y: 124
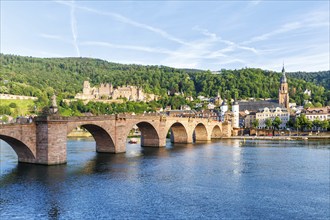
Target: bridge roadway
x: 44, y: 140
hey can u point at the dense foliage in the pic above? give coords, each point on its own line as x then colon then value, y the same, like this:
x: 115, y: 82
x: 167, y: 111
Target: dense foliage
x: 42, y: 77
x: 320, y: 78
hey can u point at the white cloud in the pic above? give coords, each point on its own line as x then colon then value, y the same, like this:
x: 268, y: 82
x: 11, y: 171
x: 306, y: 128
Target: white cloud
x: 129, y: 21
x: 311, y: 20
x: 210, y: 48
x: 283, y: 29
x: 127, y: 47
x: 74, y: 28
x: 51, y: 36
x: 256, y: 2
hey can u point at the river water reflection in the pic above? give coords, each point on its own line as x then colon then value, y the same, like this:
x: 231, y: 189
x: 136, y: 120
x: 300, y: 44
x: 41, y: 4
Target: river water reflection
x: 224, y: 179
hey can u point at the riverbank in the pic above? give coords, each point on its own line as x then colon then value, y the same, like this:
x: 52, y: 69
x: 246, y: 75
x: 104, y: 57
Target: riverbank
x: 75, y: 134
x: 312, y: 137
x: 78, y: 134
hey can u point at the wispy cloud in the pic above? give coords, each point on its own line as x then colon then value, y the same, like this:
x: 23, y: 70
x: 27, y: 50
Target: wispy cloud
x: 306, y: 62
x: 188, y: 52
x: 256, y: 2
x: 209, y: 47
x: 311, y: 20
x: 74, y: 27
x: 231, y: 46
x: 51, y: 36
x: 128, y: 21
x: 127, y: 47
x: 283, y: 29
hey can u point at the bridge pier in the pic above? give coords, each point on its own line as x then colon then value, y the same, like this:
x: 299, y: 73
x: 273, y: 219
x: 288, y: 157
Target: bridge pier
x: 45, y: 140
x: 51, y: 137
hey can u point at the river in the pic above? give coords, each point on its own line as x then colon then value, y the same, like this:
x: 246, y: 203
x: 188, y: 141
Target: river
x: 227, y: 179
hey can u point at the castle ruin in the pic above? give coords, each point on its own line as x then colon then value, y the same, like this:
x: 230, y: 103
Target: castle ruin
x: 107, y: 91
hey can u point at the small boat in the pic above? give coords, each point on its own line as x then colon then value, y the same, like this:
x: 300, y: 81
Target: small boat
x: 132, y: 141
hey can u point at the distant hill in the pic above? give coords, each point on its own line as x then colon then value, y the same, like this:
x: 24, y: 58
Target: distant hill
x: 42, y: 77
x: 320, y: 78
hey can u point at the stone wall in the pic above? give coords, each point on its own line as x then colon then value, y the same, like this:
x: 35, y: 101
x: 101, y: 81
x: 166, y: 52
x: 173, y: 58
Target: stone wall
x: 17, y: 97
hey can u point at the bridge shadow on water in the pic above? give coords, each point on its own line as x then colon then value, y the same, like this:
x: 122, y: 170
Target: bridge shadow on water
x: 135, y: 156
x: 78, y: 164
x: 48, y: 181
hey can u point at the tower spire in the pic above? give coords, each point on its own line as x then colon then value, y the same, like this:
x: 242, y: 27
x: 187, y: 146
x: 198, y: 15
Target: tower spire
x: 283, y: 78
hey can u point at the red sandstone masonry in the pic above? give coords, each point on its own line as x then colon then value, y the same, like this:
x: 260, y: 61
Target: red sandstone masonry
x: 44, y: 141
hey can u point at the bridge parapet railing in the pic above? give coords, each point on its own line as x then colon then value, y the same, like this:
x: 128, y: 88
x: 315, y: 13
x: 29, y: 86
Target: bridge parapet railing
x: 121, y: 116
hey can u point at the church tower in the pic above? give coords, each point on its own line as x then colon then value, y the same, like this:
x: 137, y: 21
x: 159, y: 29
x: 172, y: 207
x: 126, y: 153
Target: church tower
x: 283, y: 92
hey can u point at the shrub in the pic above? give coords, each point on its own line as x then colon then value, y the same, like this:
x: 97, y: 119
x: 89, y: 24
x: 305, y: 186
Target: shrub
x: 12, y: 105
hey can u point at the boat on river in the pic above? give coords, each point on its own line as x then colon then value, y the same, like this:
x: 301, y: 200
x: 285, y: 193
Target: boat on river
x: 133, y: 141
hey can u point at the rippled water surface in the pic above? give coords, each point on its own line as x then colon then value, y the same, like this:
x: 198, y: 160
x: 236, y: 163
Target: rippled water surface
x: 225, y: 179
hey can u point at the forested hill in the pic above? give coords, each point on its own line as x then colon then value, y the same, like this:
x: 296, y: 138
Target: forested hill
x: 42, y: 77
x: 319, y: 78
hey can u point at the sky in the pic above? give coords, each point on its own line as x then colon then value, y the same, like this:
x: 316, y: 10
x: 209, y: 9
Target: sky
x: 208, y: 35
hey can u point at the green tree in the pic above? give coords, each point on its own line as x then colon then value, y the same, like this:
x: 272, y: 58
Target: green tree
x: 304, y: 122
x: 268, y: 123
x: 4, y: 118
x: 5, y: 110
x: 290, y: 123
x: 255, y: 123
x: 317, y: 123
x: 325, y: 124
x: 277, y: 122
x: 317, y: 105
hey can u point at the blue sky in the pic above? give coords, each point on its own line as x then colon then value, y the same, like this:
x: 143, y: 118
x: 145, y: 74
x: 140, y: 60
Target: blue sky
x: 187, y: 34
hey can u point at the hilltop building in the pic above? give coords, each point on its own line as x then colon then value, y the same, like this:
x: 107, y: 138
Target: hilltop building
x: 107, y: 91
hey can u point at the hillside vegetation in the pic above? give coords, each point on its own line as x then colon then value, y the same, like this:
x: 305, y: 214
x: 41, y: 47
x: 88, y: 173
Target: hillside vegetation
x: 16, y: 107
x: 42, y: 77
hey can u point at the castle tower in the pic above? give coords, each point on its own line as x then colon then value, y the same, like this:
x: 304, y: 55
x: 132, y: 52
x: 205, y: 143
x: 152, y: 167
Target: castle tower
x: 86, y: 88
x: 283, y: 93
x: 111, y: 89
x: 235, y: 110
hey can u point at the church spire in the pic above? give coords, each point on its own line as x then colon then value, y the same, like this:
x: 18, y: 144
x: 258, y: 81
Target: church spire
x: 283, y: 78
x: 283, y: 93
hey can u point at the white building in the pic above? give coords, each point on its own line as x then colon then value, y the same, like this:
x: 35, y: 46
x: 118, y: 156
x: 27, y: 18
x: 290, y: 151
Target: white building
x: 308, y: 92
x: 317, y: 113
x: 210, y: 106
x: 235, y: 110
x: 223, y: 110
x: 263, y: 114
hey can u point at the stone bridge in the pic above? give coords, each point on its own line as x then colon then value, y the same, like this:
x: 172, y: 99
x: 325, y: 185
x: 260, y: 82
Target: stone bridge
x: 44, y: 140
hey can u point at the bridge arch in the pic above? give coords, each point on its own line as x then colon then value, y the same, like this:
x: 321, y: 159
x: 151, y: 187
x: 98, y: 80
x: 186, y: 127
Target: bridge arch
x: 23, y: 152
x: 149, y: 134
x: 103, y: 140
x: 200, y: 133
x: 216, y: 132
x: 179, y: 133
